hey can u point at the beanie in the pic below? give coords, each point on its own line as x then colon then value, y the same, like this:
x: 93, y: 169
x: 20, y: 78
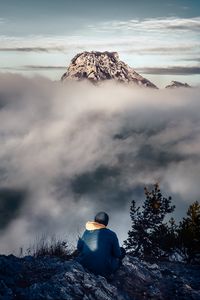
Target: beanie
x: 102, y: 218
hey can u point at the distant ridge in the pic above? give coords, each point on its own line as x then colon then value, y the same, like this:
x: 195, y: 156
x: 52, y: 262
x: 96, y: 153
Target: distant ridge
x: 176, y: 84
x: 100, y: 66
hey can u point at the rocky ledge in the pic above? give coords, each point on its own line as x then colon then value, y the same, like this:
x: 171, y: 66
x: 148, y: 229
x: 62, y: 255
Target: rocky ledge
x: 52, y: 278
x: 100, y: 66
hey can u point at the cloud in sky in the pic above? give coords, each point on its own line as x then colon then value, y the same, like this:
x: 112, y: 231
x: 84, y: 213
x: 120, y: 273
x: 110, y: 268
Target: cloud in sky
x: 174, y: 70
x: 197, y: 59
x: 125, y: 45
x: 72, y: 16
x: 30, y: 49
x: 152, y: 24
x: 151, y: 28
x: 141, y: 43
x: 68, y: 151
x: 165, y: 50
x: 42, y: 67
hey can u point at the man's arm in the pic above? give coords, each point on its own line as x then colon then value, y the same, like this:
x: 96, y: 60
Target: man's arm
x: 80, y: 244
x: 116, y: 252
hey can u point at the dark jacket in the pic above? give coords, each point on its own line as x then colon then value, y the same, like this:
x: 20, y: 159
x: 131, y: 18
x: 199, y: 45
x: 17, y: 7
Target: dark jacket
x: 99, y: 249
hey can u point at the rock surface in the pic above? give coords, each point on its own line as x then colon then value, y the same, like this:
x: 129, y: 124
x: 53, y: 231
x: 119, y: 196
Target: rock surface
x: 100, y: 66
x: 177, y: 84
x: 51, y: 278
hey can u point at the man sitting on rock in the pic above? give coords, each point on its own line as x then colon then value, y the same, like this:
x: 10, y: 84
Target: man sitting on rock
x: 99, y: 249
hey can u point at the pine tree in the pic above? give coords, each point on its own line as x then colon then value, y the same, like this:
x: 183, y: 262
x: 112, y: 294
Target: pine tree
x: 189, y: 233
x: 146, y: 221
x: 165, y: 239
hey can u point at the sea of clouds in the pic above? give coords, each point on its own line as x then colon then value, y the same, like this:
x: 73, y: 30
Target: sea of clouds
x: 70, y: 150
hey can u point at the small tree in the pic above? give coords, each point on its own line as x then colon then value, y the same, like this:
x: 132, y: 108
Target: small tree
x: 189, y: 233
x: 146, y: 222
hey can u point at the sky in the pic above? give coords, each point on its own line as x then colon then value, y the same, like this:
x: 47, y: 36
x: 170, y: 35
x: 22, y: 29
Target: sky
x: 159, y: 39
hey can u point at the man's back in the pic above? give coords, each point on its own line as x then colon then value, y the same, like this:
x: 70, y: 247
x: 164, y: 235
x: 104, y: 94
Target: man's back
x: 99, y: 249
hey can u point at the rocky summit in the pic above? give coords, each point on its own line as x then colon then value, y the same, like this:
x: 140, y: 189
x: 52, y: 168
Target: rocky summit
x: 101, y: 66
x: 53, y: 278
x: 176, y: 84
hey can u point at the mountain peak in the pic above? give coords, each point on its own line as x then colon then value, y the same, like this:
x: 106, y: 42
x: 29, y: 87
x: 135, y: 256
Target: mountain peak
x: 177, y: 84
x: 100, y: 66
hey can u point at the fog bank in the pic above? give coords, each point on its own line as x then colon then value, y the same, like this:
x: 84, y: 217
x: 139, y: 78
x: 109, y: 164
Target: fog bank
x: 69, y: 151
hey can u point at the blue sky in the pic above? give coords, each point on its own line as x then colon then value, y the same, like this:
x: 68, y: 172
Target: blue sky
x: 160, y: 39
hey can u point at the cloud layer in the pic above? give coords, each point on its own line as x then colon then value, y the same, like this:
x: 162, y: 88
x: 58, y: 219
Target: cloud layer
x: 174, y: 70
x: 68, y: 151
x: 154, y: 24
x: 162, y: 46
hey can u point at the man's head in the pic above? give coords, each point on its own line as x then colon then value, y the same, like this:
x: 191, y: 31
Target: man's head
x: 102, y: 218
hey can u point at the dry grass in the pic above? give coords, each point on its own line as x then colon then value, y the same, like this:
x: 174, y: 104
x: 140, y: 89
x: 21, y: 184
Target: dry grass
x: 53, y: 246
